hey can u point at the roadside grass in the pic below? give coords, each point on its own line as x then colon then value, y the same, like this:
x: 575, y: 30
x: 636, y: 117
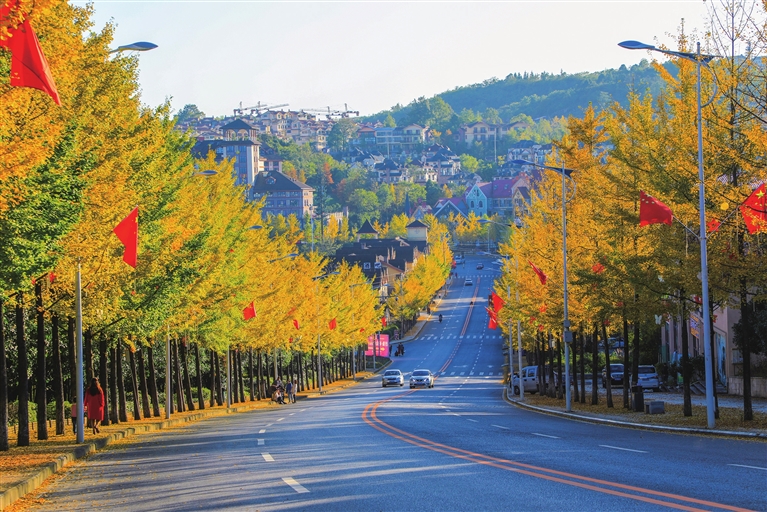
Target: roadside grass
x: 730, y: 418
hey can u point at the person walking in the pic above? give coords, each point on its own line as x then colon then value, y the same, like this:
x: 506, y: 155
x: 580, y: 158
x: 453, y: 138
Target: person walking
x: 289, y: 390
x: 73, y: 414
x: 293, y: 392
x: 94, y: 399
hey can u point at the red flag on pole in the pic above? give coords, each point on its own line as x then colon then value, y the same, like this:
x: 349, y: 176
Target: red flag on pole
x: 332, y: 324
x: 51, y: 277
x: 543, y: 277
x: 498, y: 302
x: 249, y: 312
x: 493, y: 321
x: 652, y: 211
x: 295, y: 323
x: 127, y: 232
x: 29, y: 68
x: 383, y: 321
x: 754, y: 210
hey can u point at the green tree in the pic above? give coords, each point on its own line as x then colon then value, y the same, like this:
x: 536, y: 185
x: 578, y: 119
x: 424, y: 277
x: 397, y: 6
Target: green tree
x: 189, y: 112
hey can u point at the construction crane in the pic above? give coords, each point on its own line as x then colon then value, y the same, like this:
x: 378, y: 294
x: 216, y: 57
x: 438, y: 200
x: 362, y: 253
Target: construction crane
x: 257, y: 109
x: 330, y: 113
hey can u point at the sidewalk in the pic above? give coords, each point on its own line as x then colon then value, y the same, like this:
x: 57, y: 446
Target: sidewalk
x: 22, y: 470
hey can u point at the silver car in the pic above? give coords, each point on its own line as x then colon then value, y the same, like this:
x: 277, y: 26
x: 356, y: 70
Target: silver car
x: 393, y: 378
x: 647, y: 378
x: 421, y: 378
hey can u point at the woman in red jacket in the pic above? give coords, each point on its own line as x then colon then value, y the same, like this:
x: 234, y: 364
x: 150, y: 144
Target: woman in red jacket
x: 94, y: 400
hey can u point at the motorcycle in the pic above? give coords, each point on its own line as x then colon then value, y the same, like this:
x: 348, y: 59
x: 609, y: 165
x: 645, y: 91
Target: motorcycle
x: 440, y: 318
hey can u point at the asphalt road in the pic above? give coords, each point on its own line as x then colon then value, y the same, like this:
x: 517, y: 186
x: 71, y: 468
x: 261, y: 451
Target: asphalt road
x: 458, y: 446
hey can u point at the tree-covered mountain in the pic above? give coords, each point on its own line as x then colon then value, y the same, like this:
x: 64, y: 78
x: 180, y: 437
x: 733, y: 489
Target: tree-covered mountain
x: 536, y: 95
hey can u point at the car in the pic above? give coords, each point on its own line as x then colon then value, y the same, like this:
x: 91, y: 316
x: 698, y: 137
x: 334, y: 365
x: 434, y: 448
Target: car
x: 421, y: 378
x: 647, y: 377
x: 458, y: 259
x: 468, y: 282
x: 480, y: 266
x: 616, y: 375
x: 529, y: 379
x: 393, y: 378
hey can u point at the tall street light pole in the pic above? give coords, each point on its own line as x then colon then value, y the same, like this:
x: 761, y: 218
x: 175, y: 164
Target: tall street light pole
x: 567, y: 335
x: 700, y: 60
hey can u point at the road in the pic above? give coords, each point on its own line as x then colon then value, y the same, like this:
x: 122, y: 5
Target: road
x: 458, y: 446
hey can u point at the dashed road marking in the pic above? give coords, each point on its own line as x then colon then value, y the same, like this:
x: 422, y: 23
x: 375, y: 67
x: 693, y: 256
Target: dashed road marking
x: 295, y: 485
x: 499, y: 426
x: 260, y: 442
x: 749, y: 467
x: 544, y: 435
x: 475, y: 421
x: 267, y: 457
x: 622, y: 449
x: 280, y: 419
x: 262, y: 431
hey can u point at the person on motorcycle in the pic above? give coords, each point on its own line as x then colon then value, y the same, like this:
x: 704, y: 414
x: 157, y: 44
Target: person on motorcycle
x: 440, y: 317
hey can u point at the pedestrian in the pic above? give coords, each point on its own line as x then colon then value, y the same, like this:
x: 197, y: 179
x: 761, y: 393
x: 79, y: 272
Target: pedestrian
x: 294, y: 391
x: 289, y: 390
x: 73, y: 414
x: 94, y: 398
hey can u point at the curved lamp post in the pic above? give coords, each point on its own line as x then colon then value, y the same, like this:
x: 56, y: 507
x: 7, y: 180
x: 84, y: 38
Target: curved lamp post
x: 139, y: 46
x: 567, y: 335
x: 701, y: 60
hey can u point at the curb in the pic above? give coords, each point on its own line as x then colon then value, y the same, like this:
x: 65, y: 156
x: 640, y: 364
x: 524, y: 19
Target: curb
x: 626, y: 424
x: 13, y: 493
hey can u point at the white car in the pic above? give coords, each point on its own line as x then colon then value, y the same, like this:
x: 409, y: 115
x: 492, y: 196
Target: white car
x: 529, y: 378
x: 421, y: 378
x: 647, y: 378
x: 392, y: 378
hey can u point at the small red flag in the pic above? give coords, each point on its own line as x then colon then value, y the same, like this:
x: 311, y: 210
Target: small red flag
x: 127, y: 232
x: 543, y: 277
x: 249, y: 312
x: 713, y: 225
x: 652, y: 211
x: 498, y: 302
x: 383, y: 321
x: 295, y: 323
x: 598, y: 268
x: 754, y: 210
x: 51, y: 277
x: 332, y: 324
x: 29, y: 68
x: 362, y: 329
x: 493, y: 321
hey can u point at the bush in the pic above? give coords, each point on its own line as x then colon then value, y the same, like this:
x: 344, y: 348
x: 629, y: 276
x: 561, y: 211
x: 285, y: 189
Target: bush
x: 13, y: 412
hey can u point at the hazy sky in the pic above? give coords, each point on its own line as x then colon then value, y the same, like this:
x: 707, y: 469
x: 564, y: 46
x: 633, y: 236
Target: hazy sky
x: 372, y: 55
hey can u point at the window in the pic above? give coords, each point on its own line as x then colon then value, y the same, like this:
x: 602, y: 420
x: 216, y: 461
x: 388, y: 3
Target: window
x: 480, y: 204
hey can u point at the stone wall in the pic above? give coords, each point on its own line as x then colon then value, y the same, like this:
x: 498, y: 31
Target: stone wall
x: 758, y: 386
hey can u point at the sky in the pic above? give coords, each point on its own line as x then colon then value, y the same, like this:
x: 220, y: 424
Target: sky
x: 371, y: 55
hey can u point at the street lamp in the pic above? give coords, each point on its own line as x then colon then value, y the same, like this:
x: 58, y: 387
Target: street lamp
x: 567, y: 335
x: 517, y: 223
x: 319, y: 342
x: 701, y: 60
x: 139, y: 46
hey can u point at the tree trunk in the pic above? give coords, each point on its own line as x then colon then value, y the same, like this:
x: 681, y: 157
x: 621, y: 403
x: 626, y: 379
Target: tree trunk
x: 312, y: 362
x: 58, y: 381
x: 301, y: 372
x: 260, y: 372
x: 635, y: 355
x: 4, y: 442
x: 134, y: 382
x: 88, y: 372
x: 608, y: 377
x: 594, y: 366
x: 142, y: 384
x: 178, y: 378
x: 122, y: 407
x: 250, y: 374
x: 626, y: 403
x: 42, y: 384
x: 71, y: 358
x: 219, y: 391
x: 114, y: 415
x: 212, y: 378
x: 104, y: 376
x: 686, y: 370
x: 187, y: 380
x: 582, y: 339
x: 239, y: 373
x: 232, y: 380
x: 562, y: 384
x: 23, y: 373
x: 712, y: 348
x: 200, y: 396
x: 152, y: 381
x: 745, y: 349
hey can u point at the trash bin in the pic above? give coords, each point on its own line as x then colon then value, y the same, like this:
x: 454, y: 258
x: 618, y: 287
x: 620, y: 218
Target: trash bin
x: 637, y: 398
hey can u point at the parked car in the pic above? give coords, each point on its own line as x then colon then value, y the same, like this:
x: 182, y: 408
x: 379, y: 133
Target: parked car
x: 459, y: 259
x: 480, y: 266
x: 468, y: 282
x: 616, y: 375
x: 529, y: 380
x: 421, y: 378
x: 647, y: 378
x: 393, y: 378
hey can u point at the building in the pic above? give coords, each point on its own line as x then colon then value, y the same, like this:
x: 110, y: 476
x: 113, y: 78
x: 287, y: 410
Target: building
x: 284, y: 196
x: 240, y: 144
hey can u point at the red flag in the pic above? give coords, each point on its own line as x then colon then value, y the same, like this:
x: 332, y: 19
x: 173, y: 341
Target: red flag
x: 598, y: 268
x: 362, y: 329
x: 713, y: 225
x: 29, y: 68
x: 332, y: 324
x: 51, y: 277
x: 493, y: 321
x: 543, y: 277
x: 127, y: 232
x: 652, y: 211
x: 498, y: 302
x: 295, y: 323
x: 249, y: 312
x: 383, y: 321
x: 754, y: 210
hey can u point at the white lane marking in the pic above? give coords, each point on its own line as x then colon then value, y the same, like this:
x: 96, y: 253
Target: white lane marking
x: 280, y: 419
x: 262, y: 431
x: 622, y: 449
x: 260, y: 442
x: 295, y: 485
x: 499, y: 426
x: 481, y: 373
x: 749, y: 467
x: 452, y: 373
x: 302, y: 410
x: 270, y: 424
x: 544, y: 435
x: 475, y: 421
x: 291, y: 414
x: 462, y: 373
x: 267, y: 457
